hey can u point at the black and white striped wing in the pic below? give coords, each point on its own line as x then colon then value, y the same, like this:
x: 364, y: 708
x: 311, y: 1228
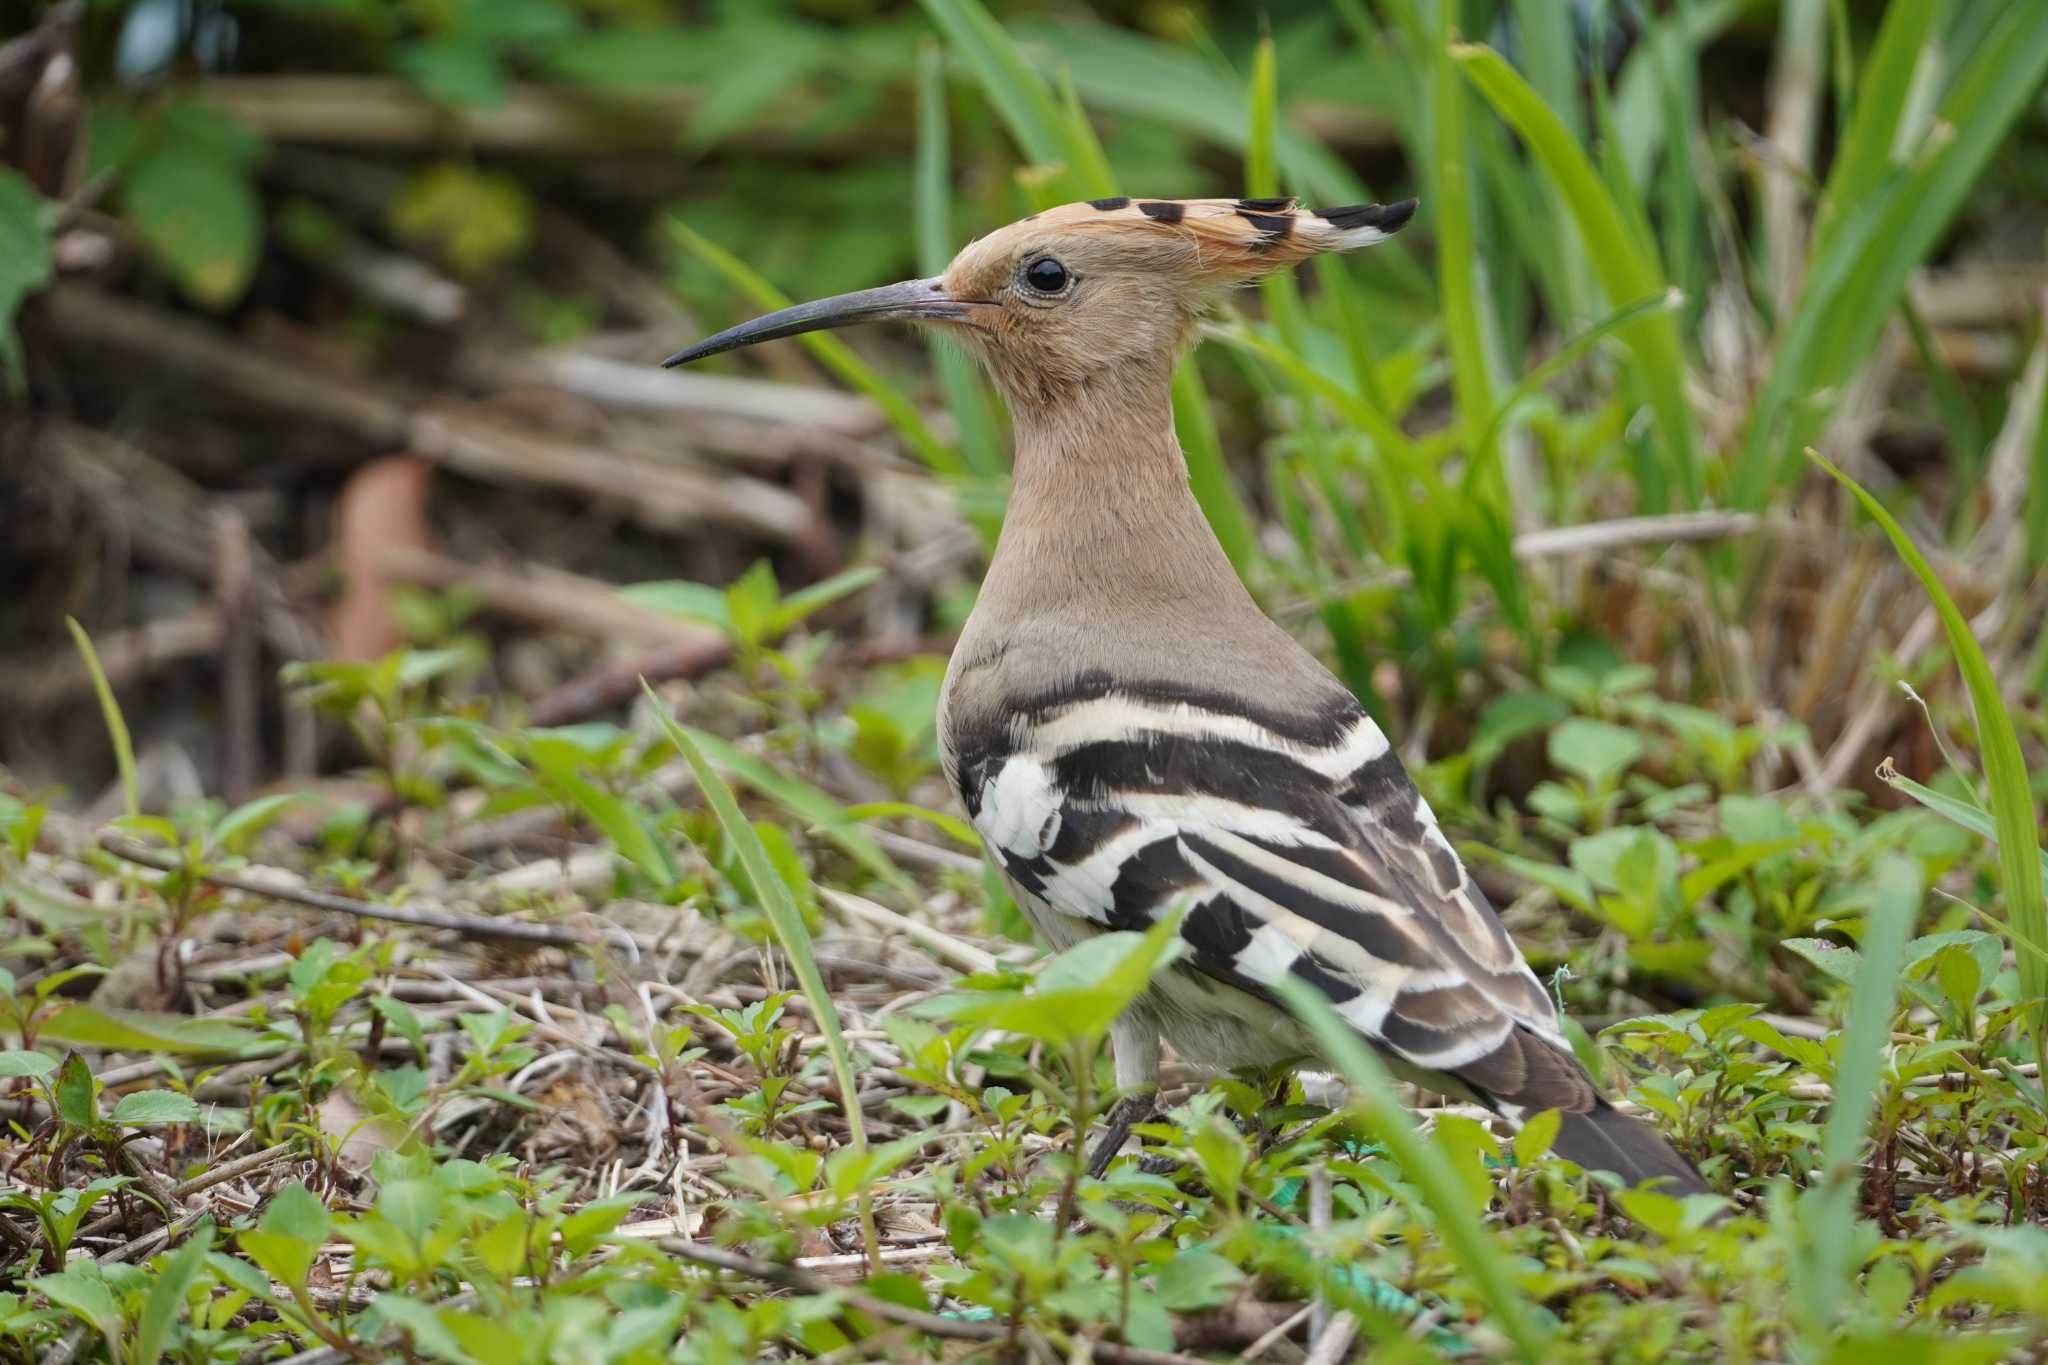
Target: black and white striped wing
x: 1300, y: 846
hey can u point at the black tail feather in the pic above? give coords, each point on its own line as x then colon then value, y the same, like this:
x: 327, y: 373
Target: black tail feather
x: 1607, y: 1140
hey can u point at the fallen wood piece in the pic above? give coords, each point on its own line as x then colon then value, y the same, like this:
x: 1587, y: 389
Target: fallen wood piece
x: 376, y: 111
x: 1671, y: 529
x: 125, y: 655
x: 548, y: 598
x: 645, y: 387
x: 663, y: 495
x: 613, y: 686
x: 470, y: 926
x: 931, y: 1324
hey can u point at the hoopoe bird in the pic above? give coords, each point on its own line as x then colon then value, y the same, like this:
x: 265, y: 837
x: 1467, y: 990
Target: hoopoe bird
x: 1133, y: 738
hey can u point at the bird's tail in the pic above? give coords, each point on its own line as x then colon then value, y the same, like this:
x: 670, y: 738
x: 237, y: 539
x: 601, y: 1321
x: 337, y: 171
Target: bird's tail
x: 1605, y: 1139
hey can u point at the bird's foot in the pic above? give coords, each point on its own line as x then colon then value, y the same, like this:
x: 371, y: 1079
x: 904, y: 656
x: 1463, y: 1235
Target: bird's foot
x: 1136, y: 1107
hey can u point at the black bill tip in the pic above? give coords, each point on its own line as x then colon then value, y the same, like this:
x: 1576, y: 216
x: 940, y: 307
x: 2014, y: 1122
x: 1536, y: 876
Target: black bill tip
x: 1387, y: 218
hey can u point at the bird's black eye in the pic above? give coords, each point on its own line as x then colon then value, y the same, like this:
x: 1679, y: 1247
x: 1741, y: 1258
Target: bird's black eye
x: 1046, y: 275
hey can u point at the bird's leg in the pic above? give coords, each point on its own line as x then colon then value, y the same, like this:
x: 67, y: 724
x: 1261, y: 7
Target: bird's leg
x: 1132, y: 1108
x: 1135, y: 1038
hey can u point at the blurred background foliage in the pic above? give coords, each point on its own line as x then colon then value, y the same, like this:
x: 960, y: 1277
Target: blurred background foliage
x: 328, y: 330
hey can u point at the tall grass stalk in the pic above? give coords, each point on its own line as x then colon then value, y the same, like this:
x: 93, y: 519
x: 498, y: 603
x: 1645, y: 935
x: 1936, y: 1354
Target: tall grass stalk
x: 1627, y: 272
x: 1878, y: 230
x: 2005, y: 772
x: 1384, y: 1117
x: 1831, y: 1202
x: 967, y: 398
x: 787, y: 921
x: 110, y: 712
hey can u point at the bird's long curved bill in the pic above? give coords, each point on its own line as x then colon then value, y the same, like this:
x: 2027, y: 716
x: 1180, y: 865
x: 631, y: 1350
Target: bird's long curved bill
x: 910, y: 301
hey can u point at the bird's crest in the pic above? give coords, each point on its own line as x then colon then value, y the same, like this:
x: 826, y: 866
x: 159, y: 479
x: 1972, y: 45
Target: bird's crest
x: 1237, y: 238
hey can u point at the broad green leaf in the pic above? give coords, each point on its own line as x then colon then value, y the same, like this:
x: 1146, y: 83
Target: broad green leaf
x: 815, y: 598
x: 455, y: 70
x: 80, y: 1291
x: 422, y: 1322
x: 698, y: 601
x: 14, y: 1064
x: 249, y: 819
x: 147, y: 1107
x: 1839, y: 962
x: 625, y: 822
x: 24, y: 263
x: 289, y: 1235
x: 141, y: 1031
x: 199, y: 215
x: 1536, y: 1137
x: 1594, y: 751
x: 479, y: 219
x: 77, y: 1093
x: 1196, y: 1279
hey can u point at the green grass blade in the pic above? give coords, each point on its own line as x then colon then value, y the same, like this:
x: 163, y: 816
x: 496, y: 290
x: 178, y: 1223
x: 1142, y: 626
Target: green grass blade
x: 1670, y: 301
x: 1640, y: 104
x: 1881, y: 99
x: 1971, y: 817
x: 1132, y: 75
x: 1625, y: 271
x: 810, y: 803
x: 1457, y: 253
x: 2005, y: 771
x: 967, y: 398
x: 1016, y: 92
x: 1261, y: 161
x: 1854, y: 285
x: 1830, y: 1203
x: 834, y: 354
x: 1084, y: 150
x: 1045, y: 132
x: 110, y: 711
x: 1458, y: 1221
x: 2037, y: 496
x: 777, y: 903
x: 1348, y: 405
